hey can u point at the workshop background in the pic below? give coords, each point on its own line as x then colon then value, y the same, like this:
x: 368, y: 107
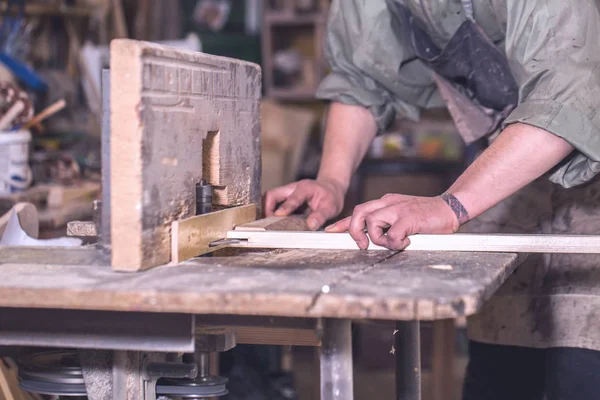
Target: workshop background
x: 51, y: 57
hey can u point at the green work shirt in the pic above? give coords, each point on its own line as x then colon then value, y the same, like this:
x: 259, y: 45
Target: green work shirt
x: 552, y: 47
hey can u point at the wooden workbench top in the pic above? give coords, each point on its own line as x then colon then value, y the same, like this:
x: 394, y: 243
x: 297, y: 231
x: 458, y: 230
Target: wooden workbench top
x: 295, y: 283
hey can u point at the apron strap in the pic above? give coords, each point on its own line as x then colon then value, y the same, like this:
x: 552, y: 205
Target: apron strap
x: 468, y: 7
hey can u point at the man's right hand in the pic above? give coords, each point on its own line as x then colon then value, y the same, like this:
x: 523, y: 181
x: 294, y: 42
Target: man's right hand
x: 325, y: 199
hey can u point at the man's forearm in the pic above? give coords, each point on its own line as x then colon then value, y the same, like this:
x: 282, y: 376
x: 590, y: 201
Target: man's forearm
x: 520, y: 154
x: 349, y: 132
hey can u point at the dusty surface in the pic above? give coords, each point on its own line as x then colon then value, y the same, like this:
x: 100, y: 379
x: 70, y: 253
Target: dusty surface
x: 295, y: 283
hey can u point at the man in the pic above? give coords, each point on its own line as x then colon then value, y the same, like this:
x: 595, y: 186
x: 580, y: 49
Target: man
x: 526, y: 75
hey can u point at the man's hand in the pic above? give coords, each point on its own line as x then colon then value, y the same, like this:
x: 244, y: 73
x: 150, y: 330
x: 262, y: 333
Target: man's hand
x: 325, y: 199
x: 402, y: 216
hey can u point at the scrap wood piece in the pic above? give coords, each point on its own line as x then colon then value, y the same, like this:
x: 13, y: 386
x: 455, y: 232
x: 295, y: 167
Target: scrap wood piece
x: 9, y: 382
x: 176, y: 117
x: 191, y: 237
x: 291, y: 223
x: 28, y: 218
x: 59, y: 196
x: 82, y: 229
x: 46, y: 113
x: 469, y: 242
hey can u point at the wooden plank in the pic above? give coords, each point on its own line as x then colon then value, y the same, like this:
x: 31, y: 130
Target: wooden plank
x: 468, y: 242
x: 28, y: 219
x: 34, y: 255
x: 291, y: 223
x: 9, y: 382
x: 271, y: 283
x: 191, y: 237
x: 61, y: 196
x: 119, y: 23
x: 420, y: 285
x: 176, y: 117
x: 6, y: 386
x: 277, y: 336
x: 375, y: 285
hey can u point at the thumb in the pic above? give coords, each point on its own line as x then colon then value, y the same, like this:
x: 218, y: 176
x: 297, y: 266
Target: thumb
x: 316, y: 219
x: 340, y: 226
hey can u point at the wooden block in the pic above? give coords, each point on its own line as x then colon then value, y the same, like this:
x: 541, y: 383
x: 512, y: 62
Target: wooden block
x: 277, y: 336
x: 292, y: 223
x: 58, y: 196
x: 469, y: 242
x: 176, y: 117
x: 190, y: 237
x: 28, y: 218
x: 82, y: 229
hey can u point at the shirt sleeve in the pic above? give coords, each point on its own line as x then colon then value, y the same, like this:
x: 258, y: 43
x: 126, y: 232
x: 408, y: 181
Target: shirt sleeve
x: 554, y: 52
x: 369, y: 65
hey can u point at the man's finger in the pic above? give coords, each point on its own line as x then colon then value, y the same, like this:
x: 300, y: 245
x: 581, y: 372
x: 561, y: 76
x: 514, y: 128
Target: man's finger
x: 340, y: 226
x: 316, y: 219
x: 292, y: 203
x: 397, y: 236
x: 378, y: 222
x: 276, y: 196
x: 357, y: 221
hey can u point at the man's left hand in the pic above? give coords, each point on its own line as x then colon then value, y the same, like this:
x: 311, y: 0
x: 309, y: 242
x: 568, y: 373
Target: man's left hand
x: 402, y: 216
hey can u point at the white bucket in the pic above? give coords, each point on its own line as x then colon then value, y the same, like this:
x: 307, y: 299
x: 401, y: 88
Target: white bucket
x: 15, y: 174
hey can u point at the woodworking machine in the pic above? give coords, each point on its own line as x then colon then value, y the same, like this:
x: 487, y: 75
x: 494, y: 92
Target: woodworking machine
x: 181, y: 137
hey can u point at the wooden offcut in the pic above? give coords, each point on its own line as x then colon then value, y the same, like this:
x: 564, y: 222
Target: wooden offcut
x: 166, y: 105
x: 191, y: 237
x: 277, y: 336
x: 28, y: 219
x: 291, y: 223
x: 464, y: 242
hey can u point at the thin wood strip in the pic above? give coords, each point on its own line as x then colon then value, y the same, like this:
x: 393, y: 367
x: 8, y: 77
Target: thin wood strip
x: 291, y: 223
x: 489, y: 243
x: 46, y: 113
x: 191, y: 237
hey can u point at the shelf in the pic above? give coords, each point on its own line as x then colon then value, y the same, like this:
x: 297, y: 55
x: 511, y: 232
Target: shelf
x: 283, y: 18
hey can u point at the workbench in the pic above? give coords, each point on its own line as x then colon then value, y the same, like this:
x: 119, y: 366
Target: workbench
x: 132, y: 305
x: 315, y: 291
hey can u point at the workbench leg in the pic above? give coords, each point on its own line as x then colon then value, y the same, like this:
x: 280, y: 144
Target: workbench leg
x: 442, y: 368
x: 337, y: 381
x: 407, y: 348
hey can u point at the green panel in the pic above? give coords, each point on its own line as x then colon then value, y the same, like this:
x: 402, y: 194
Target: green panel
x: 233, y: 45
x: 231, y: 41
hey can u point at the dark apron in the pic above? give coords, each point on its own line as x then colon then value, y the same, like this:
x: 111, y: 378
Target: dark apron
x: 472, y: 75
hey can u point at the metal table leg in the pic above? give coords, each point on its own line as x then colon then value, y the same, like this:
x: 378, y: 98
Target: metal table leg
x: 407, y: 347
x: 336, y: 361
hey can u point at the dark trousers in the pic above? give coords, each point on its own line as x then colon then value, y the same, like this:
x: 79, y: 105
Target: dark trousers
x: 519, y: 373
